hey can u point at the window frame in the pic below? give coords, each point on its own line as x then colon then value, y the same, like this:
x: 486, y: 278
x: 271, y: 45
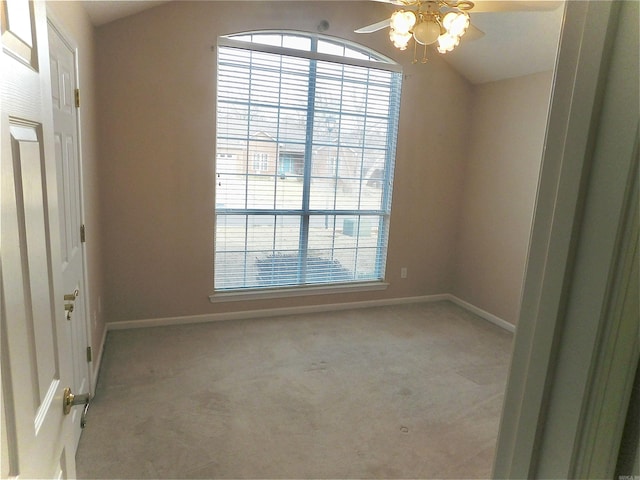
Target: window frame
x: 378, y: 62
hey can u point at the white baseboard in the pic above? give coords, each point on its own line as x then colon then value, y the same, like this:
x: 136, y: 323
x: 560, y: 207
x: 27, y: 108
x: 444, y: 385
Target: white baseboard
x: 97, y: 360
x: 273, y: 312
x: 510, y: 327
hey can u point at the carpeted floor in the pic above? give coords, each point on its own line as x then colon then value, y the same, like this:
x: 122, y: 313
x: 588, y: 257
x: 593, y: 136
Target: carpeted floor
x: 410, y: 391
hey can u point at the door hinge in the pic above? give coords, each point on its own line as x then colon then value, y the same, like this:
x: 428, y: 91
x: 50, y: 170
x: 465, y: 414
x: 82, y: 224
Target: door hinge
x: 83, y: 235
x: 89, y: 354
x: 76, y: 94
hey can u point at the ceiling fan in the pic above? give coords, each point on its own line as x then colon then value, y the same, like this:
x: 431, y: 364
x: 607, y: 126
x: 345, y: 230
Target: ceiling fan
x: 441, y: 22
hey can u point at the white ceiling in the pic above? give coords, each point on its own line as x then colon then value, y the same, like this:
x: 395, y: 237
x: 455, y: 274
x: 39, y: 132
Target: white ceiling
x: 105, y: 11
x: 515, y: 43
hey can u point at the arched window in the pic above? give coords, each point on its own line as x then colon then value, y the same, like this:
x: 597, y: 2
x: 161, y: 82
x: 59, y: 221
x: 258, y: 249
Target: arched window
x: 305, y: 149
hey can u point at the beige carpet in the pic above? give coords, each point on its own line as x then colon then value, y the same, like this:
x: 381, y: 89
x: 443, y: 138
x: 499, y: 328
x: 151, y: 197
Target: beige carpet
x: 411, y: 391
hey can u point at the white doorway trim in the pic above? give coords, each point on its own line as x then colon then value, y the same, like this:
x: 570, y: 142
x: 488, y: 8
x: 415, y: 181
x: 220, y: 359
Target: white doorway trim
x: 574, y: 248
x: 67, y: 38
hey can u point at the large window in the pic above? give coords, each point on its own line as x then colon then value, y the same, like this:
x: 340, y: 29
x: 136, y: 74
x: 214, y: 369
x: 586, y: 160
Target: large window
x: 305, y: 143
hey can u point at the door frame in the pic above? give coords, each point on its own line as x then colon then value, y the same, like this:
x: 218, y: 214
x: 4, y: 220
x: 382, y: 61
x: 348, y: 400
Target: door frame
x: 53, y: 22
x: 576, y: 242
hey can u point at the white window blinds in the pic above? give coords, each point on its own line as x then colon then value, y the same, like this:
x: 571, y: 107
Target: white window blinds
x: 305, y: 145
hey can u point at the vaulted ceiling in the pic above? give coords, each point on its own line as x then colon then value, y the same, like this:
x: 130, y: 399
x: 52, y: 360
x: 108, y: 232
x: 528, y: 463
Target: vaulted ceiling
x: 516, y: 42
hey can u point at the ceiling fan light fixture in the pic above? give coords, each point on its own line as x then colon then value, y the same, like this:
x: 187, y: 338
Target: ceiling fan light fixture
x: 428, y: 22
x: 427, y: 32
x: 403, y: 21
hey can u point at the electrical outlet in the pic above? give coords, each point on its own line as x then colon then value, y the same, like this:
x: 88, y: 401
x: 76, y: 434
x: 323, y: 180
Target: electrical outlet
x: 403, y: 272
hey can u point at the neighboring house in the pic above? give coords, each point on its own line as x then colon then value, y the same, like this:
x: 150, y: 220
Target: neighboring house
x: 264, y: 156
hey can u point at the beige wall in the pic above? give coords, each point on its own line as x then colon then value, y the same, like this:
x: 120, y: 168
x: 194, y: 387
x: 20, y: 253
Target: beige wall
x: 72, y: 20
x: 156, y: 97
x: 500, y: 182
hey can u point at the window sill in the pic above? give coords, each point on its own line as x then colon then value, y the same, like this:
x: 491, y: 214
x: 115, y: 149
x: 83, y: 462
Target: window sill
x: 263, y: 294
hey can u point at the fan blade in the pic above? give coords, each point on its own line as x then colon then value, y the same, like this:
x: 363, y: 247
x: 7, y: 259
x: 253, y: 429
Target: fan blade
x: 482, y: 6
x: 473, y: 33
x: 374, y: 27
x: 400, y: 3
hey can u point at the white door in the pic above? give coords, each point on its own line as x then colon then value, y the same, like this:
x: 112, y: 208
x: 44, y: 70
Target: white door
x: 37, y: 440
x: 63, y: 86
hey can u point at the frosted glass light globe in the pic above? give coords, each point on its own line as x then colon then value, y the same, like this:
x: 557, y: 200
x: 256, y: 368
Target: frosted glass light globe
x: 400, y: 40
x: 446, y: 43
x: 402, y: 21
x: 426, y: 32
x: 456, y: 23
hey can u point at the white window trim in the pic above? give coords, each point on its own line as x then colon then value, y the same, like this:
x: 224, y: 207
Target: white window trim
x: 287, y: 292
x: 380, y: 63
x: 388, y: 65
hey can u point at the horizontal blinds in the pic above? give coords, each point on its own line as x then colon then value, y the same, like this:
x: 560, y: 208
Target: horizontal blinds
x: 304, y: 168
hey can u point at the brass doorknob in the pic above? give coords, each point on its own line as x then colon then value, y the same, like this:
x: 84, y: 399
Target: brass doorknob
x: 69, y: 400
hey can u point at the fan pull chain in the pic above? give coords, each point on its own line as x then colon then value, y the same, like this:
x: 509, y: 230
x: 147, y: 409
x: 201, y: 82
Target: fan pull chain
x: 415, y: 54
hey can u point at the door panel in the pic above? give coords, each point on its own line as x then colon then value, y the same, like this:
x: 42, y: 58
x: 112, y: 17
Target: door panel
x: 26, y: 145
x: 63, y: 85
x: 35, y: 352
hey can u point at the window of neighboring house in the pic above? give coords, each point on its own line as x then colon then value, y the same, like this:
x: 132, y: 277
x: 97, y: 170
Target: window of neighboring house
x: 260, y: 162
x: 328, y: 110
